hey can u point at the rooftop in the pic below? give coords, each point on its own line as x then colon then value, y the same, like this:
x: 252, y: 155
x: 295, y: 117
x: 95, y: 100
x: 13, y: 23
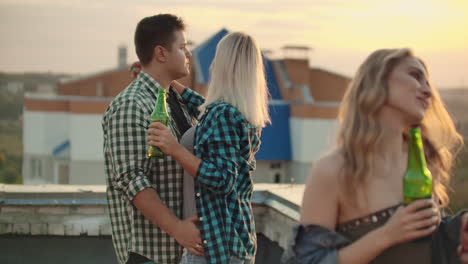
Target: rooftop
x: 43, y: 223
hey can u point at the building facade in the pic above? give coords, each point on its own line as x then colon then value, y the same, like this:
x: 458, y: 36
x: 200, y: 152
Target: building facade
x: 62, y: 133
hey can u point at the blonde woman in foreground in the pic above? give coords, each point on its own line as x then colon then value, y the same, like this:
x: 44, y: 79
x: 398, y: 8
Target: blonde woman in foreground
x: 352, y: 207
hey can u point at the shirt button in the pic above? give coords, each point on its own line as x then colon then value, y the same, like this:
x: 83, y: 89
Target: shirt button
x: 205, y: 242
x: 198, y: 194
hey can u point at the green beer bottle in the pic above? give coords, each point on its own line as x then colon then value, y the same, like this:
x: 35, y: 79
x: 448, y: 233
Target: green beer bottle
x: 417, y: 182
x: 159, y: 115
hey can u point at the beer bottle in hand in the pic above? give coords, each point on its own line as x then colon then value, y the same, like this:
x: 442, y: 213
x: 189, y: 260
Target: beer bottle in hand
x: 417, y: 182
x: 159, y: 115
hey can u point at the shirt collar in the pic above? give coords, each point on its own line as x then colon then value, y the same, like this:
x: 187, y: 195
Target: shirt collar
x: 154, y: 85
x: 149, y: 82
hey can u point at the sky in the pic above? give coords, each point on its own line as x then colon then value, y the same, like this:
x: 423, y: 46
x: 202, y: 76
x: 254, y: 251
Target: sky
x: 82, y: 36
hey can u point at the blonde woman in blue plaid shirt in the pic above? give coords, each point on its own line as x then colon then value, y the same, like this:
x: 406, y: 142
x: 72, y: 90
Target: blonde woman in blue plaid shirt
x: 226, y: 140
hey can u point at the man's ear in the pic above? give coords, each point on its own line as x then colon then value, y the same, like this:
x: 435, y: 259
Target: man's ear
x: 160, y: 53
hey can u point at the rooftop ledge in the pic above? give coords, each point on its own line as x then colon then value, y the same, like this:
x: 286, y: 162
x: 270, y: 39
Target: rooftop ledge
x: 77, y: 210
x: 279, y: 196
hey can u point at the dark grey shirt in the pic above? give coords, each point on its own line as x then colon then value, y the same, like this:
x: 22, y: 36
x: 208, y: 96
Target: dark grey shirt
x: 190, y: 208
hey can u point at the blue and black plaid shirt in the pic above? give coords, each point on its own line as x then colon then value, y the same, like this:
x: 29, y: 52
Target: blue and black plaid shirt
x: 226, y: 143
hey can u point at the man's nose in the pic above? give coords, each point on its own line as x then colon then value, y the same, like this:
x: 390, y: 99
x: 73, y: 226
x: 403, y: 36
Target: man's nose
x: 188, y: 54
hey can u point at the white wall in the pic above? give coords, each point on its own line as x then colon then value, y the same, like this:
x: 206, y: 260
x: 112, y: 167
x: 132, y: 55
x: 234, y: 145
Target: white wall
x: 87, y: 172
x: 43, y: 131
x: 266, y: 170
x: 86, y: 137
x: 310, y: 138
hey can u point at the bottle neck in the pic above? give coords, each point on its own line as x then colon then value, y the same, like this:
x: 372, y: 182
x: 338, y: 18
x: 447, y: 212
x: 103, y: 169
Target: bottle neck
x: 162, y: 95
x: 416, y: 159
x: 160, y: 106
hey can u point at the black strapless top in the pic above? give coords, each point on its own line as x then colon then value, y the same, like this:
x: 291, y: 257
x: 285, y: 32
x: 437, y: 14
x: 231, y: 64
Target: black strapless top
x: 414, y: 252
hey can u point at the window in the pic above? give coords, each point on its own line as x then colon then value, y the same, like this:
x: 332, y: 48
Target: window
x: 36, y: 168
x: 275, y: 165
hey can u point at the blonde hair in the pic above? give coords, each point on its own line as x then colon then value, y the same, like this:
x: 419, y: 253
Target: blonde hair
x: 238, y: 78
x: 360, y: 130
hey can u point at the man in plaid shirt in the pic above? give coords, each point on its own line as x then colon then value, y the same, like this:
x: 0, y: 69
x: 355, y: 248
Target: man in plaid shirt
x: 145, y: 194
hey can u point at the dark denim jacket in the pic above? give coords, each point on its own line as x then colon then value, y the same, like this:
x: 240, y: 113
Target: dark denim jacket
x: 447, y: 239
x: 313, y: 244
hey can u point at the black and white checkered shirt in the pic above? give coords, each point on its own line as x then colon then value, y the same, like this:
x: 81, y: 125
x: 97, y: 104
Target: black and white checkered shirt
x: 129, y: 170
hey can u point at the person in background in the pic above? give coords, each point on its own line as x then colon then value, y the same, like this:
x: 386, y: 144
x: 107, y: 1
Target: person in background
x: 135, y: 69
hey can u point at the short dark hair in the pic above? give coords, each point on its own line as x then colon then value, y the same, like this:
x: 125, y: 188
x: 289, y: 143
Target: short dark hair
x: 155, y: 30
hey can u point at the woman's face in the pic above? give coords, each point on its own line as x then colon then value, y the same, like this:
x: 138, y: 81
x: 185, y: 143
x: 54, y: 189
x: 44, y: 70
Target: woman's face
x: 409, y: 91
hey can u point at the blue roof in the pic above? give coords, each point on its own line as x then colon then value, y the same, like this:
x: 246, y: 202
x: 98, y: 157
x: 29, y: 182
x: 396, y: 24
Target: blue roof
x: 204, y: 55
x: 270, y: 76
x: 276, y: 140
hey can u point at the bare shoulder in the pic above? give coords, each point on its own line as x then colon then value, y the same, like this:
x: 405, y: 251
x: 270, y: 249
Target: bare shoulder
x: 327, y: 169
x: 320, y: 201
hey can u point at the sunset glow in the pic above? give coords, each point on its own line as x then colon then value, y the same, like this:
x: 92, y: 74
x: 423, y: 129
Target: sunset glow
x: 81, y: 36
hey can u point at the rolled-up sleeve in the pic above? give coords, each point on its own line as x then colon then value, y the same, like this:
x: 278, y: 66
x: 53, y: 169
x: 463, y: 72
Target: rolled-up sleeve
x: 192, y: 100
x: 219, y: 166
x: 127, y: 143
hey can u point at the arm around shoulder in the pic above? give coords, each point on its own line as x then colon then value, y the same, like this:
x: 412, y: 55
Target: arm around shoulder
x: 190, y: 98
